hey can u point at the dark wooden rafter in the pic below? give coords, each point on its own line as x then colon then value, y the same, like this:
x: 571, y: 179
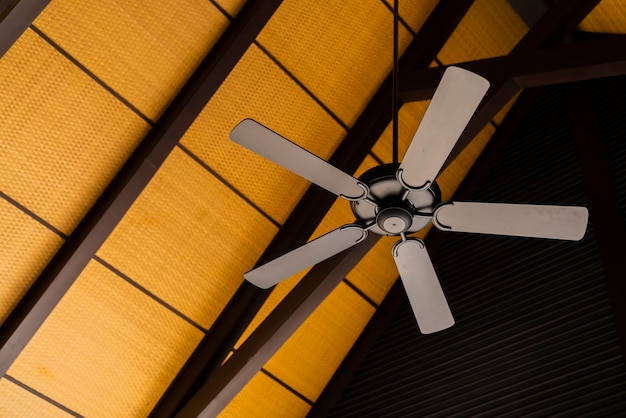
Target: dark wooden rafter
x: 217, y: 392
x: 15, y: 17
x: 81, y: 246
x: 595, y: 58
x: 397, y: 295
x: 558, y: 23
x: 604, y: 206
x: 311, y: 209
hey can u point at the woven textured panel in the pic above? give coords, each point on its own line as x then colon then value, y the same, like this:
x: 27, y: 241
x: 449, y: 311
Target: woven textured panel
x: 257, y: 88
x: 609, y: 16
x: 341, y: 52
x: 186, y: 239
x: 16, y: 402
x: 62, y: 136
x: 263, y: 397
x: 231, y: 7
x: 25, y: 248
x: 107, y: 349
x: 309, y: 358
x: 414, y: 13
x: 490, y: 28
x: 145, y: 52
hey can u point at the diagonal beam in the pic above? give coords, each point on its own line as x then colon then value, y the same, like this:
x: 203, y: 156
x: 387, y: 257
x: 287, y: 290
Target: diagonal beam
x: 217, y: 392
x: 307, y: 215
x: 81, y: 246
x: 15, y: 17
x: 604, y: 206
x: 595, y: 58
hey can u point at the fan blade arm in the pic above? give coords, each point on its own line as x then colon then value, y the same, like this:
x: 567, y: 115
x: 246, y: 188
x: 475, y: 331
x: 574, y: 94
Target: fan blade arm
x: 311, y: 253
x: 455, y: 100
x: 267, y: 143
x: 521, y: 220
x: 422, y: 286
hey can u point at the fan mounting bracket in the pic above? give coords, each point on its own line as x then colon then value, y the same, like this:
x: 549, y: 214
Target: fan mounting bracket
x: 392, y: 209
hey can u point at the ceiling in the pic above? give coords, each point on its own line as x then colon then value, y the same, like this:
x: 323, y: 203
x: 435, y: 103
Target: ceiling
x: 128, y: 217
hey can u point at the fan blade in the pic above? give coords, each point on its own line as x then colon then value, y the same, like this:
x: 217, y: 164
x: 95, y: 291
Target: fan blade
x: 269, y: 144
x: 538, y: 221
x: 311, y: 253
x: 453, y: 104
x: 422, y: 286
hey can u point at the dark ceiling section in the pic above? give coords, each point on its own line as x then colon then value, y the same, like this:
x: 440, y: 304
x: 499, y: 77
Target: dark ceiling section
x: 535, y: 332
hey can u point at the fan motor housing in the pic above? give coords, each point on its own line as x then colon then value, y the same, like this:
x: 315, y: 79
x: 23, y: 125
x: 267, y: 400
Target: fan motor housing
x: 397, y: 210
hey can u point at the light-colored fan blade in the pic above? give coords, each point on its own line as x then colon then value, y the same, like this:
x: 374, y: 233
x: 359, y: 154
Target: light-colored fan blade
x: 311, y: 253
x: 537, y: 221
x: 458, y: 95
x: 422, y: 286
x: 269, y: 144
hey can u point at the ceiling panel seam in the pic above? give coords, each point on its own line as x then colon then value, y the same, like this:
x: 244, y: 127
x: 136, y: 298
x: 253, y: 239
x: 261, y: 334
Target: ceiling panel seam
x: 225, y: 182
x: 91, y: 75
x: 360, y: 292
x: 41, y: 396
x: 149, y: 294
x: 286, y: 386
x: 32, y: 215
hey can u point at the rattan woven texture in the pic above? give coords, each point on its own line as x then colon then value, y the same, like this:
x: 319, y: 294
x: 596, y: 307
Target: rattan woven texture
x: 17, y: 402
x: 609, y: 16
x: 62, y: 136
x: 257, y: 88
x: 263, y: 397
x: 143, y: 51
x: 188, y: 239
x: 490, y: 28
x: 107, y: 350
x: 25, y: 249
x: 340, y: 52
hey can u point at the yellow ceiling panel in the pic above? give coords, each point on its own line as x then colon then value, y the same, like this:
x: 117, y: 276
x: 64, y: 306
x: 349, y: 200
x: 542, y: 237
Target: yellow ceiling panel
x: 186, y: 239
x: 490, y: 28
x: 414, y: 13
x: 143, y: 51
x: 107, y: 349
x: 609, y: 16
x: 25, y: 249
x: 257, y: 88
x: 17, y: 402
x: 409, y: 117
x: 62, y: 136
x: 310, y: 357
x: 343, y: 61
x: 263, y: 397
x: 232, y: 7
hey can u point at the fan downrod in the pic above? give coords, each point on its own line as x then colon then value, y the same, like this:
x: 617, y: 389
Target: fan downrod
x: 392, y: 209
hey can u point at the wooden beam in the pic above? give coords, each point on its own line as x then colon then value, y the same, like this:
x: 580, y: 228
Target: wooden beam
x: 217, y: 392
x: 604, y: 207
x: 81, y: 246
x: 15, y: 17
x: 584, y: 60
x: 309, y: 212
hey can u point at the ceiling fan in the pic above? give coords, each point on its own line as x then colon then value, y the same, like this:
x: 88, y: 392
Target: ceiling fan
x: 400, y: 199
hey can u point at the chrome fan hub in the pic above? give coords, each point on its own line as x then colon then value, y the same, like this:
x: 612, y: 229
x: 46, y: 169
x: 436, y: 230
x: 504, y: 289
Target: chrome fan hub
x: 392, y: 209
